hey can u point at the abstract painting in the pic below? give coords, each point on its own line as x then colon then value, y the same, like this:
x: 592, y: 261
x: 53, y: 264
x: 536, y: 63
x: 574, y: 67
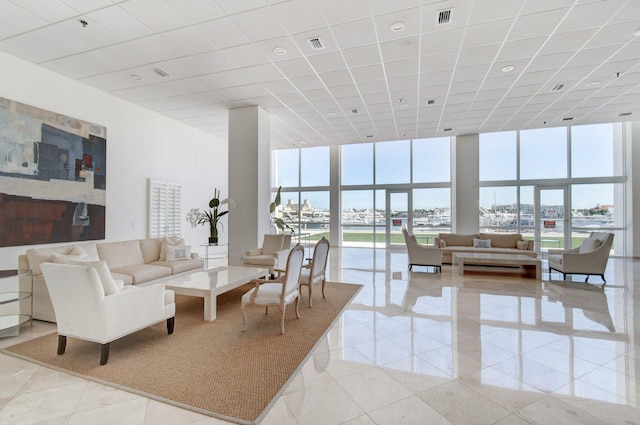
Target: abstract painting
x: 53, y: 177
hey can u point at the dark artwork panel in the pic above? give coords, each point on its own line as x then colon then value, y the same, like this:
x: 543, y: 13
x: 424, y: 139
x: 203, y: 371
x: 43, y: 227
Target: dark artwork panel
x: 27, y: 221
x: 53, y: 172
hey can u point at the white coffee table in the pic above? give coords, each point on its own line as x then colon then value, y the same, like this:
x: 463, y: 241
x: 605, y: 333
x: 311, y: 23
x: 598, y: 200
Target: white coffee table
x: 209, y: 284
x: 499, y: 262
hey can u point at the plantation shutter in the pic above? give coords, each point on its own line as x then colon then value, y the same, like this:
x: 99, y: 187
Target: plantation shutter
x: 165, y: 206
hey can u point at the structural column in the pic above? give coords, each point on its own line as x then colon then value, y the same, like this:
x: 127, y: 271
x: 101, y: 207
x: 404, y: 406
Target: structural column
x: 249, y: 179
x: 465, y: 184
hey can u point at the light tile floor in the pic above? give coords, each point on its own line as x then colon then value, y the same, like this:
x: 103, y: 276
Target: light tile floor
x: 414, y: 348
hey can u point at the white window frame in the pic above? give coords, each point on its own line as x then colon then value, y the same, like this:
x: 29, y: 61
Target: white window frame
x: 165, y: 208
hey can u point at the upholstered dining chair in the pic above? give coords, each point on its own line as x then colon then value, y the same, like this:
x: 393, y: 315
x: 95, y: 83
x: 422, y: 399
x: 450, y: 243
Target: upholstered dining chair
x: 90, y: 305
x: 278, y: 292
x: 314, y: 273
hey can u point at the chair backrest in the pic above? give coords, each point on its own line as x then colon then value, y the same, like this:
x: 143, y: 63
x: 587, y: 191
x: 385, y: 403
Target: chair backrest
x: 294, y: 268
x: 286, y: 241
x: 272, y: 243
x: 76, y: 292
x: 320, y: 255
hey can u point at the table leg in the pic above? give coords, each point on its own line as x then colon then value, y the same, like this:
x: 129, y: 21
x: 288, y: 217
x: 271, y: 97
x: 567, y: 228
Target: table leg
x: 210, y: 308
x: 460, y: 266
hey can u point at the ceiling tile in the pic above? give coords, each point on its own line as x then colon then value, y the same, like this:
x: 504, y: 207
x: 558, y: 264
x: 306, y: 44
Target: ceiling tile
x: 536, y: 24
x: 361, y: 56
x: 326, y: 62
x: 260, y: 24
x: 163, y: 17
x: 400, y: 49
x: 51, y: 10
x: 409, y: 17
x: 195, y: 11
x: 188, y: 40
x: 119, y: 22
x: 356, y: 33
x: 222, y: 33
x: 338, y: 11
x: 299, y: 15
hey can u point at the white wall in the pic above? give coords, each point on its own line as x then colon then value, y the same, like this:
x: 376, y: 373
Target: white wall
x: 141, y: 144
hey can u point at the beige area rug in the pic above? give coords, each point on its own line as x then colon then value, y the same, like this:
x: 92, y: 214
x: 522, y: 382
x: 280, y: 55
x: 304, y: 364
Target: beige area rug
x: 210, y: 367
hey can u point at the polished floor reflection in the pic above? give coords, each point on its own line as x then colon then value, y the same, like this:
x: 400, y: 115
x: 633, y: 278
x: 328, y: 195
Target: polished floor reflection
x: 414, y: 348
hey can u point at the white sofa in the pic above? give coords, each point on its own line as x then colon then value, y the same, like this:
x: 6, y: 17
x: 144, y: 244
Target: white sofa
x: 135, y: 262
x: 500, y: 243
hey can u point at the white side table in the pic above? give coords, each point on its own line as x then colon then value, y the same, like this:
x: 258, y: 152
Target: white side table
x: 214, y: 251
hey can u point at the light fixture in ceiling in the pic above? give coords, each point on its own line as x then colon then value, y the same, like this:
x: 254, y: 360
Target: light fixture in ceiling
x: 331, y: 114
x: 637, y: 32
x: 355, y: 112
x: 567, y: 119
x: 625, y: 114
x: 447, y: 129
x: 369, y: 136
x: 397, y: 26
x: 83, y: 23
x: 135, y: 77
x: 302, y: 142
x: 594, y: 84
x: 279, y: 50
x: 557, y: 87
x: 431, y: 102
x: 404, y: 105
x: 508, y: 68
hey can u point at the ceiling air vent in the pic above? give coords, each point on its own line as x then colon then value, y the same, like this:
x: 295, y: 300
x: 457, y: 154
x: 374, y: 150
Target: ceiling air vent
x: 624, y: 114
x: 431, y: 101
x: 355, y: 112
x: 161, y: 72
x: 557, y: 87
x: 444, y: 16
x: 316, y: 43
x: 567, y: 119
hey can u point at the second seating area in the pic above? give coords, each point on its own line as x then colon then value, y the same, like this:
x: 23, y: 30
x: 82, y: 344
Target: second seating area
x: 497, y: 243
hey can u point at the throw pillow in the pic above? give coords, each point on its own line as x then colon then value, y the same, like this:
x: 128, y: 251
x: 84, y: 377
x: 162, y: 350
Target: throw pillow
x: 522, y: 245
x: 175, y: 253
x: 76, y: 253
x: 589, y: 244
x: 481, y: 243
x: 108, y: 284
x: 169, y: 241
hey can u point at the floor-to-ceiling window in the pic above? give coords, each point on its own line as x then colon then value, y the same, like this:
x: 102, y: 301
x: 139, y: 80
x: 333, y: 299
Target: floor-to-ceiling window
x: 554, y: 185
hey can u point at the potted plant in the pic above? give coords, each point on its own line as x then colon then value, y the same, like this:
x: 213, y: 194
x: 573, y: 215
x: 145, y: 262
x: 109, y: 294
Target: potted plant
x: 212, y: 216
x: 278, y: 222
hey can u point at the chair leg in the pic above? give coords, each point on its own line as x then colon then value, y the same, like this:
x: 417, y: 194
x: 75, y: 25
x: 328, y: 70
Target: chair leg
x: 323, y: 281
x: 284, y: 310
x: 297, y: 311
x: 310, y: 292
x: 62, y: 344
x: 170, y: 324
x: 603, y: 279
x: 243, y: 307
x: 586, y: 279
x: 104, y: 353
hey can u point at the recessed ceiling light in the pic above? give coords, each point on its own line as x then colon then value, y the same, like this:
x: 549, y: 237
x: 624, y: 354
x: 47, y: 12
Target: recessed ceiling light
x: 637, y: 32
x: 303, y: 142
x: 331, y: 114
x: 404, y: 105
x: 594, y: 84
x: 135, y: 77
x: 279, y: 50
x: 508, y: 68
x: 397, y: 26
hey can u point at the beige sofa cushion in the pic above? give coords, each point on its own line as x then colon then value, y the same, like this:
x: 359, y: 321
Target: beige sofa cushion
x: 121, y: 254
x: 180, y: 265
x: 502, y: 240
x: 150, y: 249
x: 143, y: 272
x: 454, y: 239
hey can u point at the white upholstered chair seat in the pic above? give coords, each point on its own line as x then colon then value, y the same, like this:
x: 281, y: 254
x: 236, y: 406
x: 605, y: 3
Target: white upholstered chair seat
x: 269, y: 294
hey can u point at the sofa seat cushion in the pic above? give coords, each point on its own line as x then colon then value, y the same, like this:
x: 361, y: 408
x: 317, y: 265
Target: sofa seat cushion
x: 121, y: 254
x: 180, y: 266
x: 502, y: 240
x: 455, y: 249
x: 143, y: 272
x: 261, y: 260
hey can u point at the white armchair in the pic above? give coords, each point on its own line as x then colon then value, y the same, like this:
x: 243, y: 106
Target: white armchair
x: 273, y: 254
x: 422, y: 255
x: 315, y: 272
x: 90, y: 305
x: 589, y: 259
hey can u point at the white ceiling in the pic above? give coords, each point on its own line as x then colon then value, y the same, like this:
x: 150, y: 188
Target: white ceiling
x: 220, y: 55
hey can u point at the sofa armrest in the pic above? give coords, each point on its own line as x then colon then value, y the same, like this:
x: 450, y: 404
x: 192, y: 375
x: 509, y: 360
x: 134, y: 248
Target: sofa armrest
x: 563, y: 251
x: 253, y: 252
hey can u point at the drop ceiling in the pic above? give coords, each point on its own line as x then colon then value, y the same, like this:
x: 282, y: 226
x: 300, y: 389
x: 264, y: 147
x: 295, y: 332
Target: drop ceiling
x: 386, y: 69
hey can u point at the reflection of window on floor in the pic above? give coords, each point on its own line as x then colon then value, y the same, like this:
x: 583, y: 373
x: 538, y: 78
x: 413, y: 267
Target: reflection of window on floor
x: 165, y: 204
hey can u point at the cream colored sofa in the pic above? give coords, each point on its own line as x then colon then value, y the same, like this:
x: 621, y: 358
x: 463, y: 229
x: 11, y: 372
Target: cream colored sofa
x: 135, y: 262
x: 502, y: 243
